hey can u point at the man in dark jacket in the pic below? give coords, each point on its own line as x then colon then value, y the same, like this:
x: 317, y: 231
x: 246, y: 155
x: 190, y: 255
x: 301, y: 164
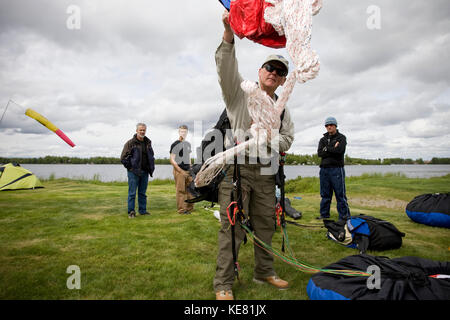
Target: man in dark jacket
x: 138, y: 157
x: 332, y: 174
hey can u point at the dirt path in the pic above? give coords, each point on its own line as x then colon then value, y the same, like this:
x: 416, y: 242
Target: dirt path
x: 377, y: 202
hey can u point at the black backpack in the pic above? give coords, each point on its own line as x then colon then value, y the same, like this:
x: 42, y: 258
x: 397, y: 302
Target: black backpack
x: 383, y: 234
x: 378, y: 235
x: 212, y: 143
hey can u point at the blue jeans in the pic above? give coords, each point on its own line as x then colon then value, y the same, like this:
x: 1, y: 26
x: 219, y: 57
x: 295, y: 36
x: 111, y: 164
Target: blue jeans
x: 140, y: 183
x: 333, y: 179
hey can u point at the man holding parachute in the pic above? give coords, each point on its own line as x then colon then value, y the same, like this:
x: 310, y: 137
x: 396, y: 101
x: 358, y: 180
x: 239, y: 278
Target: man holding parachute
x: 258, y: 191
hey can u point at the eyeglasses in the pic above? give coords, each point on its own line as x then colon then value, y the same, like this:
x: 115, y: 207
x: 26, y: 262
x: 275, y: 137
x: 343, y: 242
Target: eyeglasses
x: 280, y: 72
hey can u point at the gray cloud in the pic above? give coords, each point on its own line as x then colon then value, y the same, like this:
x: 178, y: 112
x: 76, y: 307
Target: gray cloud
x: 154, y: 62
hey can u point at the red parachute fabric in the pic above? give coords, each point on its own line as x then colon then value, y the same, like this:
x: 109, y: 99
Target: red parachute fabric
x: 247, y: 21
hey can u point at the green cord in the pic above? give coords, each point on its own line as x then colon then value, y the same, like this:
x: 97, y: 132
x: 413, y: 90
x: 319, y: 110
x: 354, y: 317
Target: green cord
x: 304, y: 267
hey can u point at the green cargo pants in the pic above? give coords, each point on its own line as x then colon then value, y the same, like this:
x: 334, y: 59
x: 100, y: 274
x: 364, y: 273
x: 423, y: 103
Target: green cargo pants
x: 258, y: 194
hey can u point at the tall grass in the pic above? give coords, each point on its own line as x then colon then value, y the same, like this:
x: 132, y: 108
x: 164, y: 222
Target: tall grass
x: 300, y: 184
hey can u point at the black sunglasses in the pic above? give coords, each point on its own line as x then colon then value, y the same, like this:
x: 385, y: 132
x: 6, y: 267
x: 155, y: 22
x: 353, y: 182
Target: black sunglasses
x: 270, y: 68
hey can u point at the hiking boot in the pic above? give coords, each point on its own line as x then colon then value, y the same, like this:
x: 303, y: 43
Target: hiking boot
x: 131, y: 214
x: 146, y: 213
x: 224, y: 295
x: 274, y: 281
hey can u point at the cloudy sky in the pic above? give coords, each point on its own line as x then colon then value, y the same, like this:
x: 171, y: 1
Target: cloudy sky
x: 386, y: 80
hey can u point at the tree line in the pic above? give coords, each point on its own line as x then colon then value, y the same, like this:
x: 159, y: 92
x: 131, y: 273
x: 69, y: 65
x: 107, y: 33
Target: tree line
x: 291, y: 159
x: 71, y: 160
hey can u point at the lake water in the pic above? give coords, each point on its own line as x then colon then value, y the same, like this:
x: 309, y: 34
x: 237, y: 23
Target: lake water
x: 116, y: 172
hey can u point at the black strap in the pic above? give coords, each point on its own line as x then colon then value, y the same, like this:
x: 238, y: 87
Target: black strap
x: 304, y: 225
x: 237, y: 189
x: 282, y: 118
x: 282, y: 197
x: 240, y: 217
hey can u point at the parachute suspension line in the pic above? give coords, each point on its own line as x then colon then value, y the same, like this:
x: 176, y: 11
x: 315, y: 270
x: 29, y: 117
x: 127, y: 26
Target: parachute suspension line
x: 286, y: 239
x: 302, y: 266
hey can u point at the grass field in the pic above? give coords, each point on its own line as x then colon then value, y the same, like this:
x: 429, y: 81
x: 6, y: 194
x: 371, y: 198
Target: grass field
x: 172, y: 256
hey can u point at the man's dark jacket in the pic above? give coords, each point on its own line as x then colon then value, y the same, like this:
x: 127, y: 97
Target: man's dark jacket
x: 131, y: 156
x: 332, y: 157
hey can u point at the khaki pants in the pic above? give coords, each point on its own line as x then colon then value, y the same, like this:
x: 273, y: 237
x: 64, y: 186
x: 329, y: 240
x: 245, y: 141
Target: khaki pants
x: 258, y: 192
x: 181, y: 184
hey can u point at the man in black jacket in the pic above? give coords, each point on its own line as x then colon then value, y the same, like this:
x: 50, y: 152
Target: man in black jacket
x: 138, y: 157
x: 332, y: 174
